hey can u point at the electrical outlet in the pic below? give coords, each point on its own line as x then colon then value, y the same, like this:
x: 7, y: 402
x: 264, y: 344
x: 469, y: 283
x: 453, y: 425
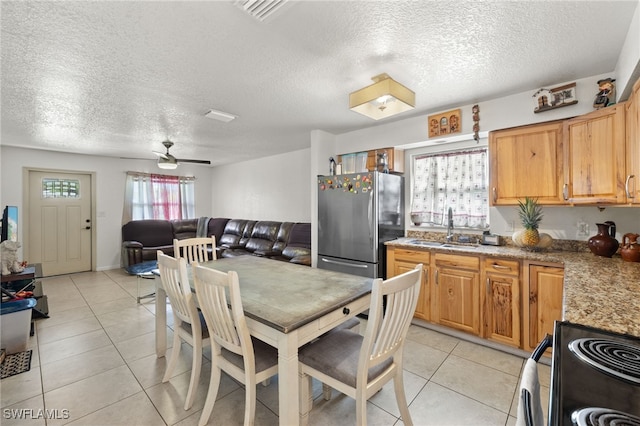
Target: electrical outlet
x: 583, y: 229
x: 511, y: 226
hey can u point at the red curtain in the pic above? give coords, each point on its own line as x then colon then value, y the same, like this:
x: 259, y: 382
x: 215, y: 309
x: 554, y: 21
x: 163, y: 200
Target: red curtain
x: 166, y: 197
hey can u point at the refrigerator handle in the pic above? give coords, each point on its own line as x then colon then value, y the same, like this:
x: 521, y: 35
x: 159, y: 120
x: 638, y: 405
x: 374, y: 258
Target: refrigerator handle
x: 351, y: 265
x: 370, y: 214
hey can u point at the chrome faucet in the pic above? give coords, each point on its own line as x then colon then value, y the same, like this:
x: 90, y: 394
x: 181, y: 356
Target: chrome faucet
x: 449, y: 225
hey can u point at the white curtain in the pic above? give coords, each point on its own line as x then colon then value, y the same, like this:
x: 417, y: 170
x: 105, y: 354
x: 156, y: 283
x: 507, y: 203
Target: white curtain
x: 151, y: 196
x: 457, y: 180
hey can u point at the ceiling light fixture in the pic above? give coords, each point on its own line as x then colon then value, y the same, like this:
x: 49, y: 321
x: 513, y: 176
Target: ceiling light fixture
x: 167, y: 163
x: 220, y: 116
x: 384, y: 98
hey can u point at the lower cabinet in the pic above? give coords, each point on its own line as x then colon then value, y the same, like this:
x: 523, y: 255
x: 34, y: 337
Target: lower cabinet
x: 543, y: 301
x: 501, y: 301
x: 400, y: 261
x: 504, y: 300
x: 456, y: 293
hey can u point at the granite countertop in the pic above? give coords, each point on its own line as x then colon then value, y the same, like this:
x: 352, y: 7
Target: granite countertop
x: 598, y: 291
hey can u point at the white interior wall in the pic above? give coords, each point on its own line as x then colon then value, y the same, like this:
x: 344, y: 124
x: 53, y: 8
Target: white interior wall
x: 510, y: 111
x: 110, y: 180
x: 270, y: 188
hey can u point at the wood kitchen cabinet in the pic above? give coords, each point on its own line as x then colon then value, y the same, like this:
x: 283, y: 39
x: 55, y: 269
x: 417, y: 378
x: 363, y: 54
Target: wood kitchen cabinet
x: 456, y: 292
x: 632, y: 179
x: 400, y: 261
x: 542, y: 303
x: 395, y: 159
x: 594, y: 157
x: 501, y: 301
x: 526, y: 161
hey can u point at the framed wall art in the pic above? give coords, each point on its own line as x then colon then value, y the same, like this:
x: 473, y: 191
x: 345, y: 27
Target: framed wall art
x: 444, y: 123
x: 561, y: 96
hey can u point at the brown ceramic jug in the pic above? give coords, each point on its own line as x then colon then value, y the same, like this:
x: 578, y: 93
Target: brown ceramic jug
x: 630, y: 249
x: 604, y: 242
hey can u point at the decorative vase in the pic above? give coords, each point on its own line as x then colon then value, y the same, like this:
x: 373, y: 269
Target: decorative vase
x: 630, y: 249
x: 604, y: 242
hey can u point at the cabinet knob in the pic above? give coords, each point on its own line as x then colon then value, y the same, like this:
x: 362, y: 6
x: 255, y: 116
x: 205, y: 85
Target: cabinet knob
x: 346, y: 310
x: 565, y: 192
x: 495, y: 194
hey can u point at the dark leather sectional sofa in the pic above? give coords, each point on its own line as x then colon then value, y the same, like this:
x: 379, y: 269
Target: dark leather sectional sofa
x: 284, y: 241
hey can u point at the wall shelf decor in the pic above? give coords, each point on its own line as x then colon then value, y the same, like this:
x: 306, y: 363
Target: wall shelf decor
x: 561, y: 96
x: 444, y: 123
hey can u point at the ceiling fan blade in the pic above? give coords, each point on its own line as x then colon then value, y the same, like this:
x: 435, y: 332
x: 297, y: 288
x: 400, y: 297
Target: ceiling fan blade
x: 161, y: 154
x: 180, y: 160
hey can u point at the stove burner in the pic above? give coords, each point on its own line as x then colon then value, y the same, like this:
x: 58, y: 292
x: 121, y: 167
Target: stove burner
x: 618, y: 359
x: 596, y: 416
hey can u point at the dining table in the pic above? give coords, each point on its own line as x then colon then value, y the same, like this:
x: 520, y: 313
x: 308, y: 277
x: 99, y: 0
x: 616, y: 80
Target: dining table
x: 286, y: 306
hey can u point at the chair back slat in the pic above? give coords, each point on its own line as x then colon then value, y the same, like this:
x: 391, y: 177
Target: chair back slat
x: 175, y: 281
x: 195, y: 249
x: 219, y: 299
x: 388, y: 327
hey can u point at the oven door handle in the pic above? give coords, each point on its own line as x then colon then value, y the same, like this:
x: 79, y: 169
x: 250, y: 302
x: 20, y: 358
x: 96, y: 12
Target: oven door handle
x: 545, y: 343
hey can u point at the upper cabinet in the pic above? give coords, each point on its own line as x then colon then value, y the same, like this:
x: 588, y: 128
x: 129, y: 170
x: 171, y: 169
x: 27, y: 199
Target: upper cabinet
x: 526, y: 162
x: 594, y: 157
x: 632, y: 178
x: 395, y: 159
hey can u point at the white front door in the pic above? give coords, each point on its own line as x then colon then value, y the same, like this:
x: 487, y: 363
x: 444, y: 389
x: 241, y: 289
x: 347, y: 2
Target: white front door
x: 60, y: 222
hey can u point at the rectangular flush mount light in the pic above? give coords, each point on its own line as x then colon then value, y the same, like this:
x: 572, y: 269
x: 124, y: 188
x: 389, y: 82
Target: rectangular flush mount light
x: 384, y: 98
x: 220, y: 116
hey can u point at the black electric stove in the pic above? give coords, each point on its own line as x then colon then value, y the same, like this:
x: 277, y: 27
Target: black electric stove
x: 595, y: 377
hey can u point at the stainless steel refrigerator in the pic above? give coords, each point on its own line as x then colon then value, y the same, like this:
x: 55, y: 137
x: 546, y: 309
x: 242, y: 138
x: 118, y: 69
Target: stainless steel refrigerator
x: 357, y: 213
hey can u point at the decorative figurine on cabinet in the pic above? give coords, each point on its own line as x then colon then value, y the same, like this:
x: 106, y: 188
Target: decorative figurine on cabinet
x: 607, y: 93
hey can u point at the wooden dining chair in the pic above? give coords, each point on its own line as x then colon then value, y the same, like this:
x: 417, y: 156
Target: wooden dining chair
x: 246, y: 359
x: 357, y: 365
x: 188, y: 324
x: 195, y: 249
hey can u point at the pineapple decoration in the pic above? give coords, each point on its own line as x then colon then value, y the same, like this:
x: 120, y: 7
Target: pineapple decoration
x: 531, y: 214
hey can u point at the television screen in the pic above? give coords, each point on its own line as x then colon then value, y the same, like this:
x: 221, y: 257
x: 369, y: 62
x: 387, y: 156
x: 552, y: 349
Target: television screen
x: 10, y: 223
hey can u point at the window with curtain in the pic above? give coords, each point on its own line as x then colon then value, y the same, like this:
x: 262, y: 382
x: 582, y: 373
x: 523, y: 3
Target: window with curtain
x: 455, y: 179
x: 151, y: 196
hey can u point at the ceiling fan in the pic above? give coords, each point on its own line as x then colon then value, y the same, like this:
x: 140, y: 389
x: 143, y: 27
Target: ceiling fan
x: 168, y: 161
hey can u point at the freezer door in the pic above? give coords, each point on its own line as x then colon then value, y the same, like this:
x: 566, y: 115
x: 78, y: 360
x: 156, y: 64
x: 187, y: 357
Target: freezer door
x: 361, y: 269
x: 346, y: 218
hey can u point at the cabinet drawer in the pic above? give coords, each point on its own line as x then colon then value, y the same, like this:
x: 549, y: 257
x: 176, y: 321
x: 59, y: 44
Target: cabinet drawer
x: 502, y: 266
x: 457, y: 261
x: 415, y: 256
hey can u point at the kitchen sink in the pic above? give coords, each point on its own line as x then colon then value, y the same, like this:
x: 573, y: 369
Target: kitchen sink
x: 426, y: 243
x: 459, y: 245
x: 439, y: 244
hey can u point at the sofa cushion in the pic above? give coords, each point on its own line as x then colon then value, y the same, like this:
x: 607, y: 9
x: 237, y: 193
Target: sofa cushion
x: 263, y: 237
x: 282, y: 239
x: 233, y: 232
x: 149, y: 232
x: 216, y: 227
x: 184, y: 228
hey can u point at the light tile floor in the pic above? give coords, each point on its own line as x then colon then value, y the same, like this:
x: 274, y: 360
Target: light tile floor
x: 94, y: 363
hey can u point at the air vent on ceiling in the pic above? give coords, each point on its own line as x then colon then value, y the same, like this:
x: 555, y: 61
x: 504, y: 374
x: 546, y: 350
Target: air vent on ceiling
x: 260, y: 9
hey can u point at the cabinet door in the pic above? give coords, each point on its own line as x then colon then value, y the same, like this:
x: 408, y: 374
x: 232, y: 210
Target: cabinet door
x: 526, y: 162
x: 422, y: 308
x: 632, y: 179
x: 457, y: 299
x: 544, y: 304
x: 594, y: 152
x: 501, y: 314
x: 401, y: 260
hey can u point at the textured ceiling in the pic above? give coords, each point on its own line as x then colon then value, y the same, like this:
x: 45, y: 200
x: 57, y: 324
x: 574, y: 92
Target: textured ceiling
x: 117, y: 78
